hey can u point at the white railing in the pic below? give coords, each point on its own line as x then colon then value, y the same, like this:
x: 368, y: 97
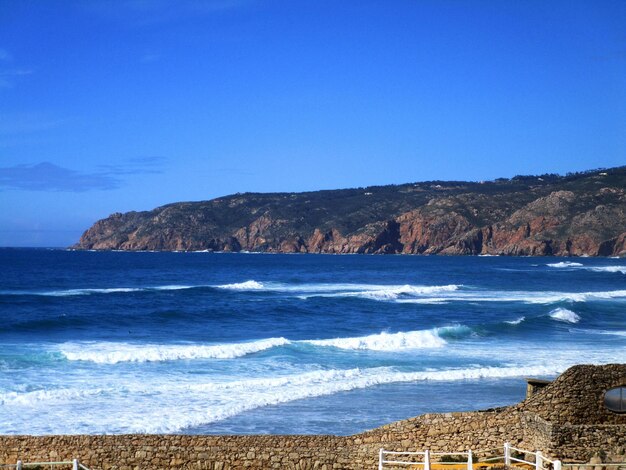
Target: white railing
x: 539, y: 462
x: 75, y: 464
x: 425, y: 460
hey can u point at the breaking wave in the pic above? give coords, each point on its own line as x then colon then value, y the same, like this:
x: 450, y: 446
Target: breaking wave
x: 171, y: 407
x: 565, y: 264
x: 110, y: 290
x: 598, y: 269
x: 395, y: 292
x: 528, y: 297
x: 608, y: 269
x: 247, y: 285
x: 406, y: 293
x: 370, y: 291
x: 564, y: 315
x: 113, y: 353
x: 394, y: 341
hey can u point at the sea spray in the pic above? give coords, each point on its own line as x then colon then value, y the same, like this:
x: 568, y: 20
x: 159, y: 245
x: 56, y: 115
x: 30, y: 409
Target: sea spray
x: 386, y: 341
x: 113, y: 353
x: 246, y: 285
x: 565, y: 264
x: 564, y: 315
x: 174, y: 407
x: 608, y: 269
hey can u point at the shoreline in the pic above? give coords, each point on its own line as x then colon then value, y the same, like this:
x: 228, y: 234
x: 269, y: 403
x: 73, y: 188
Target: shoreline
x: 243, y: 252
x: 574, y: 429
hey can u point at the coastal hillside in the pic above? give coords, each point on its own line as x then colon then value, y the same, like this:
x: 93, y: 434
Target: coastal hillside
x: 574, y: 215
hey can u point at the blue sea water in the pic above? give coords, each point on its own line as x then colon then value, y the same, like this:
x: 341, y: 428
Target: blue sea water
x: 117, y: 342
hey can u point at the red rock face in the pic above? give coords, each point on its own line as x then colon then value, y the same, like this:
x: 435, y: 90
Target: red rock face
x: 421, y: 233
x: 619, y: 248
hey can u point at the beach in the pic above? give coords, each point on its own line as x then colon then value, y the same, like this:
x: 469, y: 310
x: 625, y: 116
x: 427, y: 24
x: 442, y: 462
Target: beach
x: 565, y: 420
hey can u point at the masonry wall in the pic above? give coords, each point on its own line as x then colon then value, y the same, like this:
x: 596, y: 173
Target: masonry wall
x: 577, y: 396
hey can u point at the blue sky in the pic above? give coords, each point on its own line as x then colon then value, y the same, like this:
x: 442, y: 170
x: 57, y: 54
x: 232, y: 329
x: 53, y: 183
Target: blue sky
x: 128, y: 105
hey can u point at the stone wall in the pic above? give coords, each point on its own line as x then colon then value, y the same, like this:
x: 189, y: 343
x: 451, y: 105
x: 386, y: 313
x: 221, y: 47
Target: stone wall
x: 582, y: 442
x: 125, y: 452
x: 577, y: 396
x: 564, y: 420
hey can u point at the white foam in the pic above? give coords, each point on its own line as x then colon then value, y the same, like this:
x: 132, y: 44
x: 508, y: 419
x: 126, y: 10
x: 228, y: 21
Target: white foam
x: 386, y: 341
x: 604, y: 332
x: 114, y: 353
x: 565, y: 264
x: 564, y: 315
x: 48, y: 396
x: 166, y: 405
x: 615, y: 333
x: 608, y: 269
x: 528, y: 297
x: 422, y: 294
x: 70, y: 292
x: 247, y: 285
x: 370, y: 291
x: 172, y: 287
x: 415, y: 294
x: 393, y: 292
x: 608, y: 295
x: 90, y: 291
x: 517, y: 321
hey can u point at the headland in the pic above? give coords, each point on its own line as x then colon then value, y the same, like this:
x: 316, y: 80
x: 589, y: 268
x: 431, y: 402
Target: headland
x: 581, y: 214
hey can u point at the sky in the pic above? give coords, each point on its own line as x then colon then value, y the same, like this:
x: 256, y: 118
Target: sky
x: 128, y: 105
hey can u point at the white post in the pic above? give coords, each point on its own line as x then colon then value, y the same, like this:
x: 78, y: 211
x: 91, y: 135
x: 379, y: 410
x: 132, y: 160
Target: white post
x: 380, y: 459
x: 470, y: 463
x: 19, y: 465
x: 556, y: 465
x: 427, y: 460
x: 75, y: 464
x: 538, y: 462
x: 507, y: 454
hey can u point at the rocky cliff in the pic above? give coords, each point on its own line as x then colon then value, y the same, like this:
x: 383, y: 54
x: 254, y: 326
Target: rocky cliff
x: 574, y: 215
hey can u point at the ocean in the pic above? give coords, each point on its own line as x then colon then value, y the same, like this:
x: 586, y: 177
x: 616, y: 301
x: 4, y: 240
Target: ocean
x: 122, y: 342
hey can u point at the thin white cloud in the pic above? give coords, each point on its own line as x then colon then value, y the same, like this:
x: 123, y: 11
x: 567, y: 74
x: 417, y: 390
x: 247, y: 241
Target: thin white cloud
x: 46, y: 176
x: 15, y: 72
x: 135, y: 166
x: 6, y: 76
x: 26, y: 122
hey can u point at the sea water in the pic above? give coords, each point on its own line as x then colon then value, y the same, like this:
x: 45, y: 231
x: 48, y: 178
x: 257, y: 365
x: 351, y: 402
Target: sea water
x: 119, y: 342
